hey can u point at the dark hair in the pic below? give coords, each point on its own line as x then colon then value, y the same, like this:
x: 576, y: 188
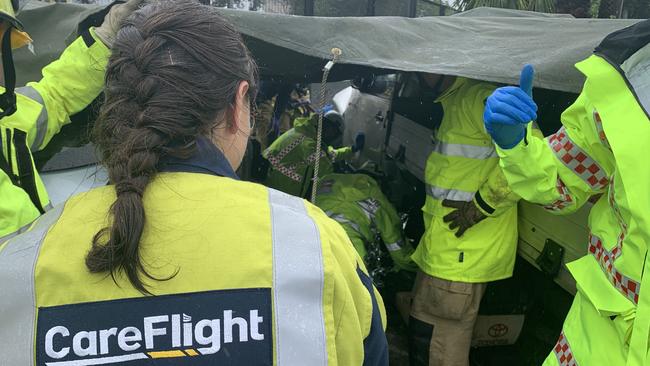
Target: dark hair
x: 172, y: 77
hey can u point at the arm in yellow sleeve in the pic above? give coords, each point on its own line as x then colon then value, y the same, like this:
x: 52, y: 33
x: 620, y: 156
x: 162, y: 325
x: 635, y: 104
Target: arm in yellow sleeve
x: 69, y: 84
x: 342, y: 153
x: 562, y: 171
x: 495, y: 196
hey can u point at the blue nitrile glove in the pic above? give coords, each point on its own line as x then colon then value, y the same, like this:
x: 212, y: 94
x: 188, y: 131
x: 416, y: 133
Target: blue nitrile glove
x: 359, y: 142
x: 326, y: 108
x: 509, y: 109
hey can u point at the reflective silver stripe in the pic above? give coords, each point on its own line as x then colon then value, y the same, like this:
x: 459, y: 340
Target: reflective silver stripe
x: 466, y: 151
x: 343, y: 221
x: 17, y: 232
x: 369, y: 207
x: 41, y: 122
x: 449, y: 194
x: 393, y: 247
x: 298, y: 280
x: 18, y: 301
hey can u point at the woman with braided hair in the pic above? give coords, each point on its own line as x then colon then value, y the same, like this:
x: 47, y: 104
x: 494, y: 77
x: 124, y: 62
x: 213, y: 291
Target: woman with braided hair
x: 177, y: 262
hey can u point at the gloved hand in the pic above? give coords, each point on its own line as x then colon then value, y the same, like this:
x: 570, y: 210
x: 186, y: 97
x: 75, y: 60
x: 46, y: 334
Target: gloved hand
x: 509, y: 109
x: 465, y: 215
x: 113, y: 20
x: 359, y: 142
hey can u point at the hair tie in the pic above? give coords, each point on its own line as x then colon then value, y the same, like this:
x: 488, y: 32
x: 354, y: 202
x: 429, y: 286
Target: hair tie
x: 127, y: 187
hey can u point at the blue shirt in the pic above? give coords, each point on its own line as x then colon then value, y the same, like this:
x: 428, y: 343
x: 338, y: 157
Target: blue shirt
x: 207, y: 159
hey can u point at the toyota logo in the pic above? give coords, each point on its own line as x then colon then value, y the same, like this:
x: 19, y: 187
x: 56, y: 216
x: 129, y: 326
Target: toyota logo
x: 498, y: 330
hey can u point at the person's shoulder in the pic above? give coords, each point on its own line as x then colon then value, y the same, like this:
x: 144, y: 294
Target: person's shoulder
x: 475, y: 93
x: 479, y: 87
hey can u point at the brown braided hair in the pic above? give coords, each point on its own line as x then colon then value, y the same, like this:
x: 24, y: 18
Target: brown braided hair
x: 173, y: 76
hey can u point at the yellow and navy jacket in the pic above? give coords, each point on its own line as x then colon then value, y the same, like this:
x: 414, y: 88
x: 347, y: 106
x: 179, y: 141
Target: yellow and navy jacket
x: 261, y: 278
x: 69, y: 85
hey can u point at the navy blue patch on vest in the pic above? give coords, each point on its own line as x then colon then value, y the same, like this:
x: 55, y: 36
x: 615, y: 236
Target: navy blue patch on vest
x: 226, y: 327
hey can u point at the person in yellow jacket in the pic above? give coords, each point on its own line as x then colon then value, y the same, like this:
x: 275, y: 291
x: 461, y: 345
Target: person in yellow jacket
x: 292, y: 156
x: 357, y: 203
x: 470, y: 218
x: 33, y: 114
x: 177, y: 261
x: 601, y: 148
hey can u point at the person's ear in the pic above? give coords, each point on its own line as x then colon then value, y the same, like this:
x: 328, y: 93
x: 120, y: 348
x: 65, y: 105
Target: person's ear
x: 241, y: 108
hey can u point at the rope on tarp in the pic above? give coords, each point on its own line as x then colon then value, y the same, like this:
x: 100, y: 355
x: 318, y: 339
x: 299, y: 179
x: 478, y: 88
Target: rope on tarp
x: 336, y: 53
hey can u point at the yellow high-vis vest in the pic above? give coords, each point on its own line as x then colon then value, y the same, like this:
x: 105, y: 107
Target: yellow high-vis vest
x: 261, y: 278
x: 464, y: 167
x: 602, y: 148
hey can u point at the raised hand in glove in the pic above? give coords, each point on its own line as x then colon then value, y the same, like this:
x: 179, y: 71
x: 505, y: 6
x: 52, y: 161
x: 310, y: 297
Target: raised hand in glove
x: 509, y: 109
x: 465, y: 215
x: 113, y: 20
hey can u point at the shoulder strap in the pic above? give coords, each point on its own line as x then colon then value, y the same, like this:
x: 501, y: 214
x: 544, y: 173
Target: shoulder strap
x: 26, y: 175
x: 5, y: 161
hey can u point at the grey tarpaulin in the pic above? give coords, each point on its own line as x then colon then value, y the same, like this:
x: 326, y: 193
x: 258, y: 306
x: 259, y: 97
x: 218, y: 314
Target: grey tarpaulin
x: 486, y: 44
x: 50, y: 26
x: 499, y: 12
x: 491, y: 48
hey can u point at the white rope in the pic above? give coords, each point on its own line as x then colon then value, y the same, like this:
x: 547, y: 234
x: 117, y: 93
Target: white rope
x: 336, y: 52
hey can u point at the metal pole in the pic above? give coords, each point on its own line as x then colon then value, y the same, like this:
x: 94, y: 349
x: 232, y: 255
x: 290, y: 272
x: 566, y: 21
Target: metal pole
x: 620, y: 10
x: 413, y: 4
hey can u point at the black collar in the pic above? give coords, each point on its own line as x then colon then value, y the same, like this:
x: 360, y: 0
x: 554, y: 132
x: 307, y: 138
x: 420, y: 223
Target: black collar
x: 620, y: 45
x: 207, y: 159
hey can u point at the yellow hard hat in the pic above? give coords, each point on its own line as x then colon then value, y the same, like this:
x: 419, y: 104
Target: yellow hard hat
x: 8, y: 11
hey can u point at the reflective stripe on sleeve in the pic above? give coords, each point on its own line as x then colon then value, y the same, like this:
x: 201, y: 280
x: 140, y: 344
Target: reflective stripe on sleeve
x: 441, y: 194
x: 576, y: 159
x: 393, y: 247
x: 343, y: 220
x: 466, y: 151
x: 298, y: 280
x: 565, y: 199
x: 41, y: 122
x: 18, y: 300
x: 369, y: 207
